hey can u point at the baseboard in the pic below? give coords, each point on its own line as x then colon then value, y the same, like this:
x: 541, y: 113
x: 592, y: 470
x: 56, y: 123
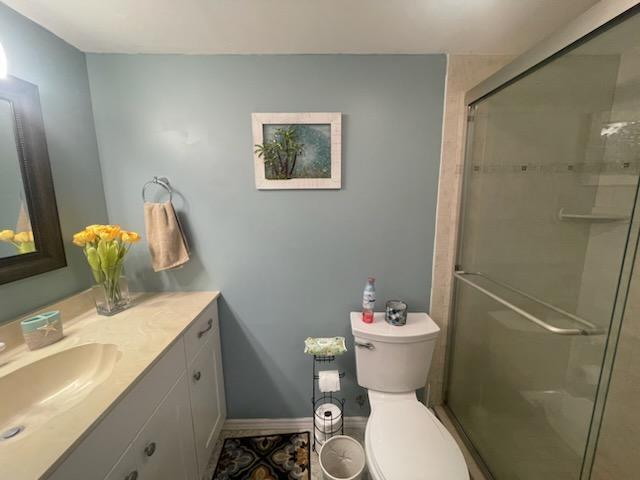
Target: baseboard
x: 301, y: 424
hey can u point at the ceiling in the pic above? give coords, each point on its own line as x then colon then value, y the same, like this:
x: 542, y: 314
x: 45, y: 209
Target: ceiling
x: 302, y: 26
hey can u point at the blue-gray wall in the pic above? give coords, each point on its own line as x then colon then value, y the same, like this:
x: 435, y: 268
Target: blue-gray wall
x: 290, y: 264
x: 60, y: 71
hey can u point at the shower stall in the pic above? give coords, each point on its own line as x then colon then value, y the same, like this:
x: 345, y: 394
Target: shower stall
x: 541, y: 379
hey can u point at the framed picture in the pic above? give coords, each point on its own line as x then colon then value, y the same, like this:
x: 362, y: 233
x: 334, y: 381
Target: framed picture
x: 297, y: 150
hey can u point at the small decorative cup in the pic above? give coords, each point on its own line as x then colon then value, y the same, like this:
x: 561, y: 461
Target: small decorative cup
x: 42, y: 330
x: 396, y: 313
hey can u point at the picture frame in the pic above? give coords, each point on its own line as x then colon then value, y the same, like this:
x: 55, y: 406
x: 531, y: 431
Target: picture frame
x: 314, y: 161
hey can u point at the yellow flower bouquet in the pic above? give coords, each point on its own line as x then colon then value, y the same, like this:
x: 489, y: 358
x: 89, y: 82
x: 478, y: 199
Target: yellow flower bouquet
x: 105, y: 247
x: 22, y: 241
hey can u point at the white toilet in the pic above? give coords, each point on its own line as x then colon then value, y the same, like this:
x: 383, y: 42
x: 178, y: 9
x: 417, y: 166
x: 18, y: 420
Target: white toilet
x: 403, y: 439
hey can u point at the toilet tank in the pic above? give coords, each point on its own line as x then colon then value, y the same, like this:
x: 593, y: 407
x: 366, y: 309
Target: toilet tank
x: 391, y: 358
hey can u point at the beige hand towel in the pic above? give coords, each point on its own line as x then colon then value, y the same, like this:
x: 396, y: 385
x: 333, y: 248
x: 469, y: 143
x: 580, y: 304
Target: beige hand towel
x: 165, y: 237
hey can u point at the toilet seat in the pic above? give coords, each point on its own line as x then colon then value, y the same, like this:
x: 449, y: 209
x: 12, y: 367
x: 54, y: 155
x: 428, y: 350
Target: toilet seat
x: 405, y: 441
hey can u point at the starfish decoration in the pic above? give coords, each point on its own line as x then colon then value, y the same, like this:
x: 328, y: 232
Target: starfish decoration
x: 47, y: 328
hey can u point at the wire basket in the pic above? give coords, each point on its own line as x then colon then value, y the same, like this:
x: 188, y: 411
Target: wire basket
x: 328, y: 409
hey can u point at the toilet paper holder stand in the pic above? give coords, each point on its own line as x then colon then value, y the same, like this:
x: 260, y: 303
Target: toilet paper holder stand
x: 331, y: 422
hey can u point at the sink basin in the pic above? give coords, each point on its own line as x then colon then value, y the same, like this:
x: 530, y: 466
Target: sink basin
x: 47, y: 387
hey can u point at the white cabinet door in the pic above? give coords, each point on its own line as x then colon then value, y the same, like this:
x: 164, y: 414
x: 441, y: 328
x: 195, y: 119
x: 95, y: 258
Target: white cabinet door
x: 220, y: 378
x: 164, y: 448
x: 208, y: 416
x: 100, y: 450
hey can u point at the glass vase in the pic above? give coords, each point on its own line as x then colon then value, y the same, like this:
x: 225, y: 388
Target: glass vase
x: 110, y: 291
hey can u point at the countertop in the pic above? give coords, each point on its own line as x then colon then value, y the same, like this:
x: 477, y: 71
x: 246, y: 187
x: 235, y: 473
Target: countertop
x: 141, y: 333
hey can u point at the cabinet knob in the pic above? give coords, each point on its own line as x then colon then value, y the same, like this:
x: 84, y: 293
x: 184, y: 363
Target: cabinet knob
x: 150, y: 449
x: 132, y: 476
x: 196, y: 375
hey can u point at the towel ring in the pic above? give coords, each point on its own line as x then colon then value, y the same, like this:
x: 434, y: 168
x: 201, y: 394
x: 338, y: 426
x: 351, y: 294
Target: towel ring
x: 161, y: 181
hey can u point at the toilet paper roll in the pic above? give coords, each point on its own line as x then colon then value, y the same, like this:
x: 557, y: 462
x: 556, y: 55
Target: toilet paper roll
x: 328, y: 418
x: 329, y: 381
x: 321, y: 437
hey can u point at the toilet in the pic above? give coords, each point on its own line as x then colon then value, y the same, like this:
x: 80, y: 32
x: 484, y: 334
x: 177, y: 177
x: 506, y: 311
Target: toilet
x: 403, y: 439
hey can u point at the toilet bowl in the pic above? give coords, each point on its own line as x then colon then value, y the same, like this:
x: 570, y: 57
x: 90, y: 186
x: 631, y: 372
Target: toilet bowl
x: 405, y: 441
x: 403, y: 438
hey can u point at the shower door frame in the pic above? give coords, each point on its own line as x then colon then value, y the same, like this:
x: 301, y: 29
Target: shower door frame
x: 594, y: 21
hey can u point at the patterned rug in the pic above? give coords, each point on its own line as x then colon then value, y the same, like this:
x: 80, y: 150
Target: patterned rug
x: 272, y: 457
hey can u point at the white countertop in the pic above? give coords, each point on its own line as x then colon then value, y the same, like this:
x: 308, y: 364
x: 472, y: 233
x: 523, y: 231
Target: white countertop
x: 141, y: 333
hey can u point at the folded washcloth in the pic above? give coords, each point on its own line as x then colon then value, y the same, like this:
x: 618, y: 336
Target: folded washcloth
x: 324, y: 346
x: 165, y: 238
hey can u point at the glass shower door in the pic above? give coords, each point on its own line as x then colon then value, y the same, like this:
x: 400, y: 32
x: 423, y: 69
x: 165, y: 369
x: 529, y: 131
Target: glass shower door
x: 550, y: 187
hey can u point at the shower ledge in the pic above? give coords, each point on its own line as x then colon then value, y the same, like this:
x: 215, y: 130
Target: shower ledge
x: 593, y: 216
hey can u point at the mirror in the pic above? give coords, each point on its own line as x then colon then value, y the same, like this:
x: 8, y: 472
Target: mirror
x: 16, y: 235
x: 30, y: 238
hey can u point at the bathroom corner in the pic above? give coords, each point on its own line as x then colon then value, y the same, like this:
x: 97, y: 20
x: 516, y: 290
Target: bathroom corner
x: 463, y: 72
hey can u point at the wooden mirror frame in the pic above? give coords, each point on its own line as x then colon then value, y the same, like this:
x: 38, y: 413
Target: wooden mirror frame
x: 33, y: 156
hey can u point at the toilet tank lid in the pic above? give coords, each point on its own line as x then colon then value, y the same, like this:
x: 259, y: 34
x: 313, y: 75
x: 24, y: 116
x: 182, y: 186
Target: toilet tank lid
x: 419, y: 327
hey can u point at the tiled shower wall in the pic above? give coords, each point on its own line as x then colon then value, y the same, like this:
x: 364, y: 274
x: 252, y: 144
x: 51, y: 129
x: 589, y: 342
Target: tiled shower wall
x: 512, y: 164
x: 463, y: 72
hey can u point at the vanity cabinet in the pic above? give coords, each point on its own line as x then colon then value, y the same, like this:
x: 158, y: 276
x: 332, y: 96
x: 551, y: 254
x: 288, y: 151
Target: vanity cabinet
x: 167, y: 425
x: 164, y: 448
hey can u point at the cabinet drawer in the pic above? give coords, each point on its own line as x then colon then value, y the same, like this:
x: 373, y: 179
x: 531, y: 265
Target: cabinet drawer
x: 164, y: 448
x: 206, y: 405
x: 201, y: 330
x: 100, y: 450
